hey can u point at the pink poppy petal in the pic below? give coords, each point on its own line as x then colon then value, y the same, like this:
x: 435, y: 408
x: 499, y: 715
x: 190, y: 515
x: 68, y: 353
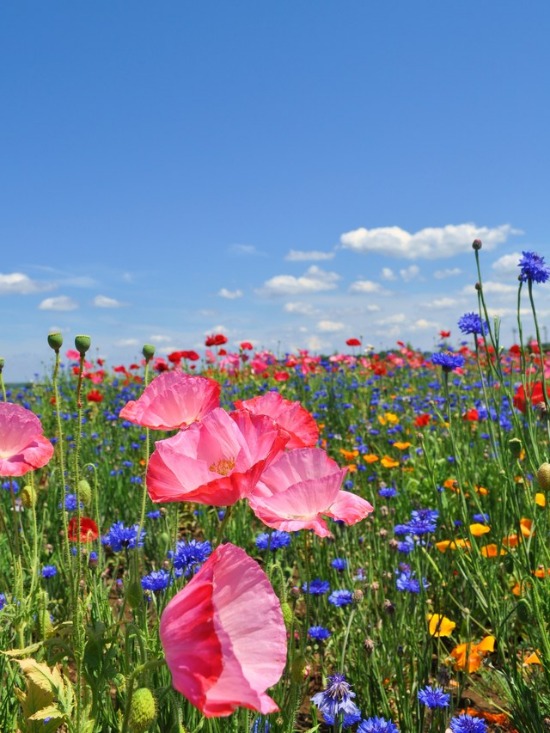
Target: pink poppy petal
x: 173, y: 400
x: 224, y: 636
x: 23, y: 446
x: 349, y: 508
x: 291, y: 416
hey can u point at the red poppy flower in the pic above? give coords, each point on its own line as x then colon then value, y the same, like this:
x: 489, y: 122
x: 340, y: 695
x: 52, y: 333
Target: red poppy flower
x: 217, y: 339
x: 353, y: 342
x: 190, y: 355
x: 471, y: 415
x: 246, y: 346
x: 534, y: 394
x: 444, y: 334
x: 88, y: 530
x: 174, y: 357
x: 94, y: 395
x: 422, y: 420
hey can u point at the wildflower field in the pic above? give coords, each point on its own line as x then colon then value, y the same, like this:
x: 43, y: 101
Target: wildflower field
x: 246, y: 541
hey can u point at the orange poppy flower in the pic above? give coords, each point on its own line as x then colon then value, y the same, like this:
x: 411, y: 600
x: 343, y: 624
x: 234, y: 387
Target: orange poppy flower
x: 469, y: 656
x: 440, y: 625
x: 525, y: 526
x: 402, y: 445
x: 349, y: 455
x: 478, y: 530
x: 459, y: 544
x: 389, y: 462
x: 533, y: 658
x: 492, y: 551
x: 370, y: 458
x: 511, y: 541
x: 540, y: 500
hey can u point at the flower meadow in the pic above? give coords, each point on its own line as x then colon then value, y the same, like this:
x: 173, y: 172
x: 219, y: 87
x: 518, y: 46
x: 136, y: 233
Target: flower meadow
x: 252, y: 542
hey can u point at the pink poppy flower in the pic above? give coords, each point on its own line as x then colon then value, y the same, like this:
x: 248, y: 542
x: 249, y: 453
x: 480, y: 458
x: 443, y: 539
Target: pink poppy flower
x: 224, y: 637
x: 173, y: 400
x: 290, y: 416
x: 23, y: 446
x: 216, y: 461
x: 301, y: 487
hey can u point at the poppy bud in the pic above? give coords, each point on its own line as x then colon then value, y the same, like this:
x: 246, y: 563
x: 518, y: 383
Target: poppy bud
x: 82, y: 344
x: 287, y: 614
x: 515, y: 447
x: 543, y: 476
x: 148, y: 351
x: 476, y: 244
x: 55, y: 341
x: 84, y: 491
x: 28, y: 496
x: 143, y: 710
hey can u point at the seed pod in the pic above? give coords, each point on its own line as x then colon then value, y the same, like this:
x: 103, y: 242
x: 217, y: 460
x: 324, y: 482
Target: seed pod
x: 55, y: 341
x: 543, y: 476
x: 143, y: 710
x: 28, y: 496
x: 84, y: 492
x: 82, y: 343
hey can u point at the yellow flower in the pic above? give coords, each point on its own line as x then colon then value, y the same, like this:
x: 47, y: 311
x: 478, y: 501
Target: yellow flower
x: 440, y: 625
x: 401, y: 446
x: 388, y: 417
x: 389, y: 462
x: 370, y: 458
x: 540, y: 500
x: 459, y: 544
x: 478, y: 529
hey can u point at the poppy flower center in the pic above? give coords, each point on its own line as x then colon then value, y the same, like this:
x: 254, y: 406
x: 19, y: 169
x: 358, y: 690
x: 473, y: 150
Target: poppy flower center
x: 224, y: 466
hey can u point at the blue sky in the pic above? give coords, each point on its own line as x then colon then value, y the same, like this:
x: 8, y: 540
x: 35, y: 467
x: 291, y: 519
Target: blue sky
x: 292, y: 174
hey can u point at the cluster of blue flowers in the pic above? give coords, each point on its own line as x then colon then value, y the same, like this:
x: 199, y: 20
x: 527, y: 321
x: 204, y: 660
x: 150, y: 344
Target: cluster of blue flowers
x: 272, y: 541
x: 407, y: 582
x: 156, y: 581
x: 189, y: 556
x: 120, y: 537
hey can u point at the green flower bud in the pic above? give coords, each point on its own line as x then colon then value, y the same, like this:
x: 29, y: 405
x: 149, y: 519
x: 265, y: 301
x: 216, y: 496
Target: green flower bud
x: 84, y: 492
x: 515, y: 446
x: 143, y: 710
x: 82, y: 344
x: 148, y: 351
x: 543, y: 476
x: 55, y: 341
x: 28, y: 496
x: 287, y: 614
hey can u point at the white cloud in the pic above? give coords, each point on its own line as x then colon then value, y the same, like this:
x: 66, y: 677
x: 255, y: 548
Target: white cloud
x: 373, y: 308
x: 102, y: 301
x: 127, y: 342
x: 159, y: 338
x: 313, y: 281
x: 330, y: 326
x: 230, y: 294
x: 19, y: 284
x: 448, y: 272
x: 430, y: 243
x: 507, y: 264
x: 409, y: 273
x: 492, y: 288
x: 422, y: 325
x: 394, y: 319
x: 442, y: 303
x: 303, y: 309
x: 388, y: 274
x: 296, y: 255
x: 60, y: 303
x: 368, y: 286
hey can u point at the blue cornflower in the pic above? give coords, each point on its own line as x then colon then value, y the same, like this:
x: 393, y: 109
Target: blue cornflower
x: 481, y: 518
x: 71, y: 503
x: 336, y: 698
x: 447, y: 360
x: 260, y: 725
x: 190, y: 555
x: 408, y: 583
x: 472, y: 323
x: 423, y: 521
x: 533, y: 268
x: 2, y: 601
x: 154, y: 514
x: 387, y: 492
x: 468, y: 724
x: 339, y: 563
x: 316, y: 587
x: 406, y: 546
x: 318, y: 632
x: 348, y: 720
x: 376, y: 725
x: 341, y: 598
x: 273, y: 541
x: 48, y: 571
x: 156, y: 581
x: 434, y: 697
x: 120, y: 537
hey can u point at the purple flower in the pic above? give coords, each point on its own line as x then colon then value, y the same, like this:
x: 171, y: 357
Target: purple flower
x: 468, y: 724
x: 447, y: 360
x: 336, y: 698
x: 316, y: 587
x: 48, y: 571
x: 533, y: 268
x: 377, y: 725
x: 407, y: 582
x: 318, y: 632
x: 273, y: 541
x: 120, y: 537
x: 341, y: 598
x: 434, y: 697
x: 190, y: 555
x: 156, y: 581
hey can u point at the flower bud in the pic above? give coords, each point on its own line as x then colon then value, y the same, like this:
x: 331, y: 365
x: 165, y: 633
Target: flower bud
x: 143, y: 710
x: 55, y: 341
x: 543, y: 476
x: 515, y: 447
x: 148, y: 351
x: 476, y: 244
x: 82, y: 344
x: 28, y: 496
x: 84, y: 492
x: 287, y: 614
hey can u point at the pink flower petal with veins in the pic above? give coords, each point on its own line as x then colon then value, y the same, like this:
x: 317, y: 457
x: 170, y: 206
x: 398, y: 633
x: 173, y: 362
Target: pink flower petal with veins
x: 216, y: 461
x: 224, y: 636
x: 23, y: 446
x: 300, y: 488
x: 173, y: 400
x: 291, y: 416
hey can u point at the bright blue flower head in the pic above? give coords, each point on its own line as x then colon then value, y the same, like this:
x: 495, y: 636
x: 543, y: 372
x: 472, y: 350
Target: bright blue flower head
x: 434, y: 697
x: 341, y: 598
x: 318, y: 632
x: 448, y: 360
x: 472, y: 323
x: 377, y: 725
x: 533, y: 268
x: 156, y: 581
x: 190, y: 555
x: 336, y: 698
x: 273, y: 541
x: 48, y: 571
x: 120, y: 537
x: 468, y: 724
x: 317, y: 587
